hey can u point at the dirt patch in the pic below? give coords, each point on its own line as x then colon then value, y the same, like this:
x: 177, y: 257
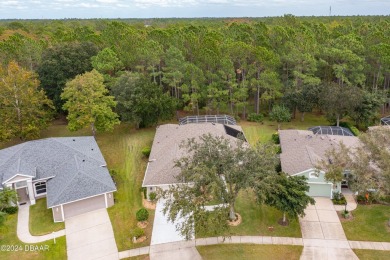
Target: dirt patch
x: 148, y: 204
x: 342, y: 219
x: 142, y: 224
x: 235, y: 222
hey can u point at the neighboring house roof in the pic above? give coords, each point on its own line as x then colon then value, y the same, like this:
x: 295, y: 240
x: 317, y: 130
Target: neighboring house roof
x: 331, y: 130
x: 74, y: 166
x: 165, y: 149
x: 302, y: 150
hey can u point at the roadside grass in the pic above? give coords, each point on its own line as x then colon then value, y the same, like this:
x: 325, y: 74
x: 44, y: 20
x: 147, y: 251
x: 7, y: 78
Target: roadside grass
x: 364, y: 254
x: 369, y: 223
x: 247, y: 251
x: 8, y: 237
x: 262, y: 132
x: 41, y: 219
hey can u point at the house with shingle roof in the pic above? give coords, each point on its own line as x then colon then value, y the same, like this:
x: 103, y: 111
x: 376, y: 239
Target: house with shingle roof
x: 302, y: 151
x: 160, y: 171
x: 69, y: 171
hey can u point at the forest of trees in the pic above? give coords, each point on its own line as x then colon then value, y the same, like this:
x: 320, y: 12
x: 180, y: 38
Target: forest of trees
x: 337, y: 65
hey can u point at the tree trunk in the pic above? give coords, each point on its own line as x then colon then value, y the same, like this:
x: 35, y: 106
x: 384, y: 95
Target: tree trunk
x: 93, y: 130
x: 232, y: 214
x: 302, y: 116
x: 284, y: 217
x: 279, y: 124
x: 257, y: 100
x: 338, y: 120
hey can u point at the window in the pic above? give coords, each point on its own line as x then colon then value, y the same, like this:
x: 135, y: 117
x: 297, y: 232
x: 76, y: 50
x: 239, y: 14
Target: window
x: 40, y: 188
x: 314, y: 175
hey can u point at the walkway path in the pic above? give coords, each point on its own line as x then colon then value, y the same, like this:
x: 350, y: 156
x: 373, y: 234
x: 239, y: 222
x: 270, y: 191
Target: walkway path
x: 23, y: 231
x: 260, y: 240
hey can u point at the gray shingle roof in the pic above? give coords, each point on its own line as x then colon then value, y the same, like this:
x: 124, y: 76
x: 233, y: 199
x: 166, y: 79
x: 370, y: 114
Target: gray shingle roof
x: 165, y: 149
x: 74, y: 163
x: 302, y: 150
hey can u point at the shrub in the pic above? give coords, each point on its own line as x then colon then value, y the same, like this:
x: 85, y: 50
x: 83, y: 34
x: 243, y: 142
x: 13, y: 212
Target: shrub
x: 10, y: 210
x: 152, y: 196
x: 146, y: 151
x: 144, y: 191
x: 137, y: 232
x: 253, y: 117
x: 142, y: 214
x: 338, y: 198
x: 275, y: 138
x: 353, y: 129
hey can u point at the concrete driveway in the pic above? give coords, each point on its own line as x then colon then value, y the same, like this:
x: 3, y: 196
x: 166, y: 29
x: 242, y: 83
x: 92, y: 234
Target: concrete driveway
x: 322, y: 233
x: 90, y: 236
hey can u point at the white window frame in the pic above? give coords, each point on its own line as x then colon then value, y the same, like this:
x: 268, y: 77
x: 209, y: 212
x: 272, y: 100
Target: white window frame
x: 35, y: 188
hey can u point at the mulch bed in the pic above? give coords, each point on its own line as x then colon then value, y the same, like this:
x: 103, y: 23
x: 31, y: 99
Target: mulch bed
x: 235, y: 222
x: 342, y: 219
x: 141, y: 239
x: 280, y: 222
x: 142, y: 224
x: 148, y: 204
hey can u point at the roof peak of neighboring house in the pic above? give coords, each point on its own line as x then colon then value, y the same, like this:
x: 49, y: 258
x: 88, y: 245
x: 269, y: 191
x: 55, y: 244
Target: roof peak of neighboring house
x: 165, y: 148
x: 302, y: 150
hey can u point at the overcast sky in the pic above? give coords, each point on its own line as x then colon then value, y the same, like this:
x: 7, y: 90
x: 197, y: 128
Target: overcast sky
x: 57, y: 9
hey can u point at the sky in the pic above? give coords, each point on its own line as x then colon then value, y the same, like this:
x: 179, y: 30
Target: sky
x: 59, y: 9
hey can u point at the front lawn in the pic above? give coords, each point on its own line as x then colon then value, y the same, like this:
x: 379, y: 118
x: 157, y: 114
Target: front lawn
x: 257, y: 220
x: 247, y: 251
x: 41, y: 219
x: 369, y: 223
x: 25, y: 251
x: 364, y: 254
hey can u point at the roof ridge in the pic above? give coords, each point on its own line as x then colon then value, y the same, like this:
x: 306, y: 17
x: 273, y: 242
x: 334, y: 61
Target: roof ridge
x: 55, y: 139
x: 309, y: 154
x: 18, y: 150
x: 92, y: 177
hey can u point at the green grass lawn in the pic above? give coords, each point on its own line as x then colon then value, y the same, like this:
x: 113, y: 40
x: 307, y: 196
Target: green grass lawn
x: 262, y: 132
x: 363, y: 254
x: 8, y: 237
x: 257, y: 218
x: 41, y: 219
x: 247, y: 251
x: 369, y: 223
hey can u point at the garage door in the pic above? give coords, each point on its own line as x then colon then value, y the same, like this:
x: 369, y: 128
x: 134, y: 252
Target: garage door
x: 84, y: 206
x: 320, y: 190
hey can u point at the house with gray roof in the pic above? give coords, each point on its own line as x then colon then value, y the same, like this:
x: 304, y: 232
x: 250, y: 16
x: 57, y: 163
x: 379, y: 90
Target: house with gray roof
x: 302, y: 151
x: 160, y: 171
x: 69, y: 171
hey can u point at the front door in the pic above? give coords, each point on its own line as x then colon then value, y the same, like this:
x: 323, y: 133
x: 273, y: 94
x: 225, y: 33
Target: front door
x: 22, y: 195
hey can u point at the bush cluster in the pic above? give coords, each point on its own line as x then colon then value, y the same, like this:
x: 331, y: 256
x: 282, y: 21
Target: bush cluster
x: 146, y: 151
x: 352, y: 128
x: 137, y: 232
x: 152, y: 196
x: 338, y: 198
x: 142, y: 214
x: 10, y: 210
x: 253, y: 117
x: 275, y: 138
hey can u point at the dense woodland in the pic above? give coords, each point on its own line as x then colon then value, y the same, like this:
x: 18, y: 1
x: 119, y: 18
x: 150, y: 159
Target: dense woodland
x: 152, y: 68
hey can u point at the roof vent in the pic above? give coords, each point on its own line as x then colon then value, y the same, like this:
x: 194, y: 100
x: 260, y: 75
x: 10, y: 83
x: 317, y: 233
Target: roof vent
x: 74, y: 140
x: 83, y: 160
x: 91, y: 149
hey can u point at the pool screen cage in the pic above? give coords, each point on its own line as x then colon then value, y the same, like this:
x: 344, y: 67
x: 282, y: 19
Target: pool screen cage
x: 331, y: 130
x: 220, y: 119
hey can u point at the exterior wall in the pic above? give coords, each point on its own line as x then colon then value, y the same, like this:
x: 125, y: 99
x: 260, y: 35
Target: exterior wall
x: 319, y: 187
x: 57, y: 214
x: 319, y: 179
x: 154, y: 189
x: 110, y: 199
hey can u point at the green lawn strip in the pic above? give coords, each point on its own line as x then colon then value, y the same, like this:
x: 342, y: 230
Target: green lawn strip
x: 248, y: 251
x: 364, y: 254
x: 41, y: 219
x: 140, y: 257
x: 44, y: 250
x: 369, y: 223
x: 122, y: 151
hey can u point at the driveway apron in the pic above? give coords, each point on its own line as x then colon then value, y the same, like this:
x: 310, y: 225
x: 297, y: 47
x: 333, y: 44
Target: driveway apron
x: 90, y: 236
x: 322, y: 233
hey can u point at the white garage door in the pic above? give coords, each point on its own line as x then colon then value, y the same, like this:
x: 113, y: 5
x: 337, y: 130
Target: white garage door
x: 84, y: 206
x: 320, y: 190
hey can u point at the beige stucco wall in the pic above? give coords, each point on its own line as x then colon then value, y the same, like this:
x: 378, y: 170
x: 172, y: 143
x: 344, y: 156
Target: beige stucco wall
x: 110, y: 199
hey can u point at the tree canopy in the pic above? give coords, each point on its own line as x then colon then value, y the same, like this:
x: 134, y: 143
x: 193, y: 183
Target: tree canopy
x: 88, y: 103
